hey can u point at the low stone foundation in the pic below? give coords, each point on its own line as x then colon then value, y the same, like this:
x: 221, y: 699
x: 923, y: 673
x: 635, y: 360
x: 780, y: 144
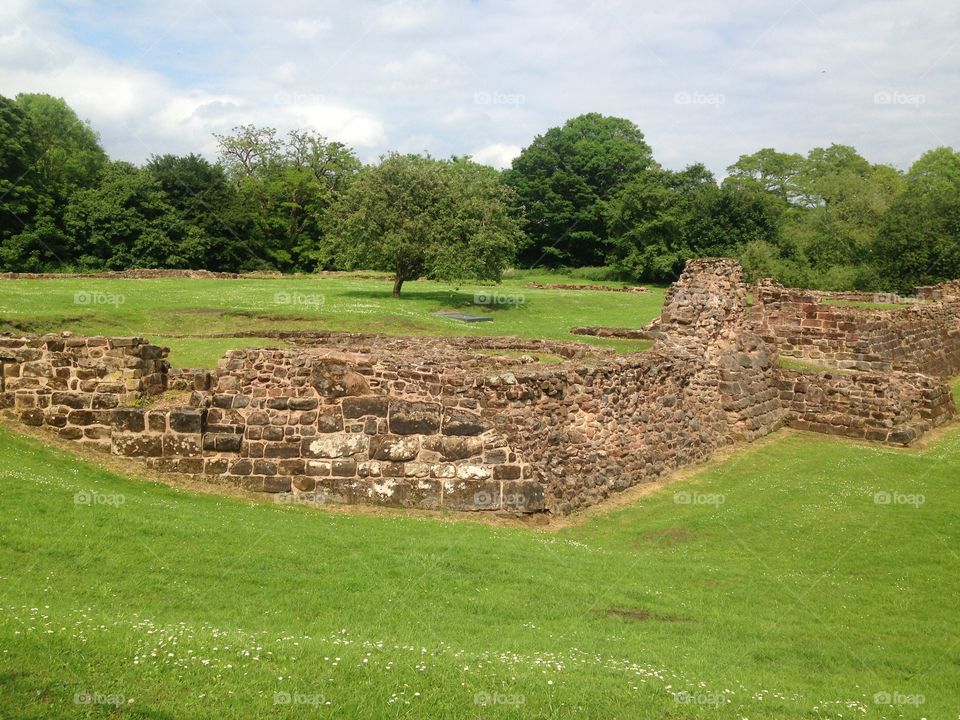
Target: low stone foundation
x: 483, y: 424
x: 895, y: 408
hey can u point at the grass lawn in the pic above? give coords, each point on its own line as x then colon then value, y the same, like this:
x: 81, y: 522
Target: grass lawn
x: 806, y: 577
x: 166, y: 310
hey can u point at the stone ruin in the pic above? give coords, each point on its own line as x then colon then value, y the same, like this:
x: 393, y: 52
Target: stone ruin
x: 485, y: 424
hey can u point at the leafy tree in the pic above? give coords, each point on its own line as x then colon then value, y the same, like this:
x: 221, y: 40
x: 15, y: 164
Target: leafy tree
x: 69, y: 156
x: 18, y: 200
x: 209, y: 204
x: 127, y: 222
x: 63, y: 156
x: 663, y: 218
x: 563, y: 180
x: 414, y: 215
x: 775, y: 172
x: 291, y: 181
x: 919, y: 239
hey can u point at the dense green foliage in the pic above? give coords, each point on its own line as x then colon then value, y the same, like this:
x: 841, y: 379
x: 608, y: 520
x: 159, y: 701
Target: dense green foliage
x: 564, y: 179
x: 413, y: 215
x: 588, y: 193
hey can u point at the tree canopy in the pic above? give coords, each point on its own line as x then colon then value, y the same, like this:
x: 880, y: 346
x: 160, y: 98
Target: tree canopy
x: 563, y: 180
x: 414, y: 215
x: 587, y: 192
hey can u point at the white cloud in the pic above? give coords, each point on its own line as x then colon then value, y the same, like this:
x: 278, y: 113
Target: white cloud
x: 423, y: 75
x: 498, y: 155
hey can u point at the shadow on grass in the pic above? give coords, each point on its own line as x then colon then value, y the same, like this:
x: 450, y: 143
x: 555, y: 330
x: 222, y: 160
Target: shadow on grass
x: 443, y: 299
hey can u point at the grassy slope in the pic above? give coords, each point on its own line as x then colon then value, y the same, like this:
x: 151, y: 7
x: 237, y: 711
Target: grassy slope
x: 159, y: 309
x: 782, y: 591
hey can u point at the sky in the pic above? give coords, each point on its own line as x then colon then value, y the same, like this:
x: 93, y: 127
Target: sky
x: 705, y: 81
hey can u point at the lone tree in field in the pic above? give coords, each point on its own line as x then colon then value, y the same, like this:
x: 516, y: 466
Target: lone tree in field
x: 417, y: 216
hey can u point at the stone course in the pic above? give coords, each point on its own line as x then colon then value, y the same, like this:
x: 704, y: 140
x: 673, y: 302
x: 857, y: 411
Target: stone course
x: 480, y: 424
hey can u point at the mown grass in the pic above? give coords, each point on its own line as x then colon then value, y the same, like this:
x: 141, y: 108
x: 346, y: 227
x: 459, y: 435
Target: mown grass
x: 777, y: 584
x: 166, y: 310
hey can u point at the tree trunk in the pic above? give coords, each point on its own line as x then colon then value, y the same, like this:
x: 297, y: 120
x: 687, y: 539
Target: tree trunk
x: 397, y: 284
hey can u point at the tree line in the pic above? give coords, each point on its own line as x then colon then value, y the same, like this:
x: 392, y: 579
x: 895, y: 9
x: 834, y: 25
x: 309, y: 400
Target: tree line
x: 586, y: 194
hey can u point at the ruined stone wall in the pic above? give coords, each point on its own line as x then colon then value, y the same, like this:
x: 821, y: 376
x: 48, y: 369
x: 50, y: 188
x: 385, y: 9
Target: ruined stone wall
x: 886, y: 407
x: 500, y: 424
x: 922, y: 338
x: 536, y: 436
x: 60, y: 380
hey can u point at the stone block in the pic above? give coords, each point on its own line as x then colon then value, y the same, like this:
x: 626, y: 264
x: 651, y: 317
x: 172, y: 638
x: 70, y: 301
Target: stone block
x: 357, y: 407
x: 396, y: 448
x: 335, y: 446
x: 414, y: 418
x: 128, y: 420
x: 471, y: 495
x: 177, y: 445
x: 457, y: 421
x: 186, y: 420
x: 136, y: 445
x: 406, y: 492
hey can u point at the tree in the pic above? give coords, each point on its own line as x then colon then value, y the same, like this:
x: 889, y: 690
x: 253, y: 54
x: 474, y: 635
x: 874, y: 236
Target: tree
x: 775, y: 172
x: 127, y: 222
x: 18, y: 198
x: 69, y: 154
x: 564, y: 178
x: 414, y: 215
x: 291, y: 182
x: 208, y: 203
x: 919, y: 239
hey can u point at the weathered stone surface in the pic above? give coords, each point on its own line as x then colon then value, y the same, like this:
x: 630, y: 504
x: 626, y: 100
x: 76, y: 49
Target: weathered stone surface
x: 336, y: 446
x: 414, y: 418
x: 331, y: 378
x: 187, y: 420
x: 394, y: 448
x: 523, y: 496
x: 395, y: 492
x: 463, y: 422
x: 136, y: 445
x: 356, y: 407
x: 454, y: 448
x: 128, y: 420
x: 471, y: 495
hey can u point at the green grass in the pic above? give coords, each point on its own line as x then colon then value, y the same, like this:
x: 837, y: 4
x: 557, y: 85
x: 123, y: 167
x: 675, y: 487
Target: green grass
x: 167, y: 309
x: 792, y: 363
x: 781, y: 589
